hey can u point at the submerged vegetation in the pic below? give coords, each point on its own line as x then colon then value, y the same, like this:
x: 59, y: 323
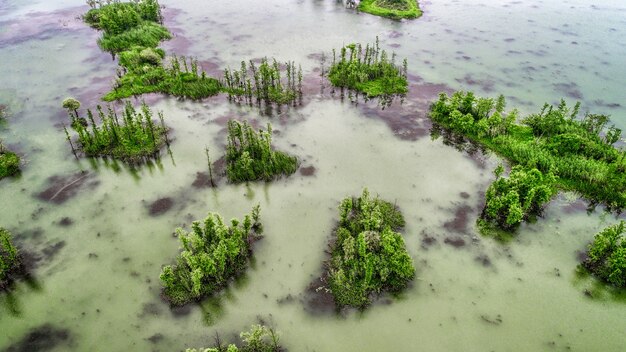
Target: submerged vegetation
x: 396, y: 9
x: 133, y: 136
x: 579, y: 152
x: 9, y: 162
x: 10, y: 261
x: 260, y: 338
x: 250, y: 157
x: 368, y: 256
x: 370, y: 71
x: 212, y: 254
x: 606, y: 256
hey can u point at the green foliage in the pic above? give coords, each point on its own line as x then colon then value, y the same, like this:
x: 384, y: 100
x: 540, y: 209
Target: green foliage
x: 368, y: 256
x: 146, y: 35
x: 250, y: 157
x: 9, y: 162
x: 132, y: 136
x: 395, y: 9
x: 607, y: 255
x: 10, y: 261
x: 212, y: 254
x: 264, y: 83
x: 260, y: 338
x: 369, y: 71
x: 579, y: 152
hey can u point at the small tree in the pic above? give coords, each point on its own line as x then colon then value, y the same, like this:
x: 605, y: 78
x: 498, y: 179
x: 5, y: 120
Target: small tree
x: 72, y: 105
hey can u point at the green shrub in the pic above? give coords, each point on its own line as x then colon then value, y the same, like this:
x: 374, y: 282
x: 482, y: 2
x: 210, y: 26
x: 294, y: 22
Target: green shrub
x: 368, y: 256
x: 9, y: 162
x: 10, y: 261
x: 395, y: 9
x: 260, y: 338
x: 250, y: 157
x: 607, y: 255
x: 212, y: 254
x: 146, y: 35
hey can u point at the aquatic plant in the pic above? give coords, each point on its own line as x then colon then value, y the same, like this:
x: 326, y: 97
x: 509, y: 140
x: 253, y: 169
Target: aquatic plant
x: 250, y: 157
x: 580, y: 152
x: 264, y: 83
x: 522, y: 195
x: 606, y: 255
x: 368, y: 256
x: 9, y: 162
x: 212, y: 254
x: 132, y: 136
x: 370, y: 71
x: 260, y: 338
x: 10, y: 260
x: 395, y: 9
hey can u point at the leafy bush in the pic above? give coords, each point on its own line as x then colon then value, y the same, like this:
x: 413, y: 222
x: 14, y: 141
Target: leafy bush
x: 10, y: 261
x: 145, y: 35
x: 395, y: 9
x: 9, y: 162
x: 368, y: 256
x: 260, y: 338
x: 212, y: 254
x: 607, y: 255
x: 250, y: 157
x: 369, y: 71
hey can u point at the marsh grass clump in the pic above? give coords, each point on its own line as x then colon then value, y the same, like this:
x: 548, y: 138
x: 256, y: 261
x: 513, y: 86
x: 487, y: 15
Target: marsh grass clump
x: 370, y: 71
x: 395, y: 9
x: 9, y: 162
x: 212, y: 254
x: 250, y: 157
x: 259, y: 338
x: 10, y: 260
x: 580, y: 152
x: 131, y: 136
x: 606, y: 255
x: 368, y: 256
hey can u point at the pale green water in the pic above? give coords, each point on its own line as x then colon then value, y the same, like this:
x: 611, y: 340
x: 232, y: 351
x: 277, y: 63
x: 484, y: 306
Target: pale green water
x: 350, y: 148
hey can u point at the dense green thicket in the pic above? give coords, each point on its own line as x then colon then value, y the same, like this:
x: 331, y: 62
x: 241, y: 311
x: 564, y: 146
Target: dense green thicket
x: 518, y: 197
x: 607, y: 255
x: 369, y: 71
x: 250, y: 157
x: 264, y: 83
x: 396, y: 9
x: 9, y: 162
x: 580, y: 152
x: 260, y: 338
x: 10, y: 261
x: 212, y: 254
x: 132, y: 136
x: 368, y: 256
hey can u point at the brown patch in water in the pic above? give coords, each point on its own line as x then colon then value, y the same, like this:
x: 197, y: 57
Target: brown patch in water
x: 319, y: 298
x: 62, y: 188
x: 455, y: 241
x: 571, y: 90
x: 46, y: 337
x: 66, y: 221
x: 461, y: 219
x: 484, y: 260
x: 307, y: 171
x: 160, y: 206
x: 428, y: 240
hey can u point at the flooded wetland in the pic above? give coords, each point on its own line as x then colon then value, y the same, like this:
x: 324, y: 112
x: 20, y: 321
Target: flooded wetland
x: 96, y: 228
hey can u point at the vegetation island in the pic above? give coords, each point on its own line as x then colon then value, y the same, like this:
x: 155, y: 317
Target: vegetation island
x: 395, y: 9
x: 260, y: 338
x: 606, y: 255
x: 10, y: 260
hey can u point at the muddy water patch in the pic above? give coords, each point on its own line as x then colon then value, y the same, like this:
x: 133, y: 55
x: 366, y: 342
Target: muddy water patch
x: 46, y: 337
x: 61, y: 188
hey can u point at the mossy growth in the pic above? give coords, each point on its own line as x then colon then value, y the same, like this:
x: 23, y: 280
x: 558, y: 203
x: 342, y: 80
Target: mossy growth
x: 250, y: 157
x: 395, y: 9
x: 265, y: 83
x: 606, y: 255
x: 9, y: 162
x: 212, y: 254
x: 368, y: 256
x: 519, y: 197
x: 580, y: 152
x: 131, y: 136
x: 370, y: 71
x: 10, y: 260
x: 259, y: 338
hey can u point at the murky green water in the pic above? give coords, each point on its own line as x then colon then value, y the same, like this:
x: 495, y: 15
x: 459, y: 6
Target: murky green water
x: 98, y: 277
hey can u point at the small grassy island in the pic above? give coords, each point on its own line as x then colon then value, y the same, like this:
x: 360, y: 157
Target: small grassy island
x: 368, y: 256
x: 131, y: 136
x: 260, y: 338
x: 370, y: 71
x: 606, y: 255
x: 580, y: 153
x: 10, y: 261
x: 133, y: 31
x: 212, y: 254
x: 250, y: 157
x: 395, y: 9
x: 9, y: 162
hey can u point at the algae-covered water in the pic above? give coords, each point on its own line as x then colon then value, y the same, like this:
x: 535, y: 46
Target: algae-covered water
x: 98, y: 240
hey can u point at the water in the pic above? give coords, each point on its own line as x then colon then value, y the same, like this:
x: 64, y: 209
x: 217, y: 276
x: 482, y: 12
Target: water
x: 97, y: 279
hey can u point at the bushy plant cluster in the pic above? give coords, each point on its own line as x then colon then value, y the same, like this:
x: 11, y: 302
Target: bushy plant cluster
x: 264, y: 83
x: 518, y: 197
x: 607, y: 255
x: 10, y: 261
x: 250, y: 157
x: 580, y: 152
x: 212, y: 254
x: 395, y: 9
x: 260, y: 338
x: 131, y: 136
x: 9, y: 162
x: 370, y: 71
x: 368, y: 256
